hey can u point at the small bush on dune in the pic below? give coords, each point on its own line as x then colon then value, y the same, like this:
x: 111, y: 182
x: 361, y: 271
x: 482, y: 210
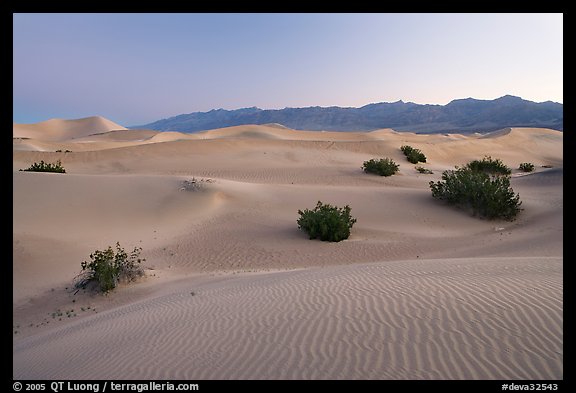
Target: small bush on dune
x: 489, y: 165
x: 413, y: 155
x: 45, y: 167
x: 424, y: 170
x: 107, y: 268
x: 326, y: 222
x: 406, y: 149
x: 526, y: 167
x: 382, y: 167
x: 487, y: 195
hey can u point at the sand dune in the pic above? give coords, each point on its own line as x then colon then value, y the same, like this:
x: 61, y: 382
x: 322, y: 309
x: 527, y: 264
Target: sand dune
x: 134, y: 136
x: 419, y: 291
x: 276, y: 132
x: 59, y: 129
x: 98, y: 210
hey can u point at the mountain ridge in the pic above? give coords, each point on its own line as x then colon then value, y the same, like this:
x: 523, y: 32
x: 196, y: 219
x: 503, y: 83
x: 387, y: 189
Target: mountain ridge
x: 461, y: 115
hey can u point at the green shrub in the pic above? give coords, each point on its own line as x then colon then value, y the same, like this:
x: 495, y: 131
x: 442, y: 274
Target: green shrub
x: 326, y: 222
x: 424, y: 170
x: 413, y: 155
x: 107, y: 268
x: 45, y: 167
x: 382, y: 167
x: 487, y: 195
x: 526, y: 167
x: 488, y: 165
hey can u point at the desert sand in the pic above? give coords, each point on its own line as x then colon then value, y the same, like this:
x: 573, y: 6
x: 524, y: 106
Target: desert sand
x: 234, y: 290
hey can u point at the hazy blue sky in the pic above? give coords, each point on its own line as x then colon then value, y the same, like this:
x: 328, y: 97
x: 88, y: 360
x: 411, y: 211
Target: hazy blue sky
x: 137, y: 68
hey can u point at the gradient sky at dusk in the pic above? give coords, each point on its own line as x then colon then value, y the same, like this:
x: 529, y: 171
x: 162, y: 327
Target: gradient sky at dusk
x: 137, y: 68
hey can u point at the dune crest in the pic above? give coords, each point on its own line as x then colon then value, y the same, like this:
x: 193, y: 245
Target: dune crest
x: 60, y: 129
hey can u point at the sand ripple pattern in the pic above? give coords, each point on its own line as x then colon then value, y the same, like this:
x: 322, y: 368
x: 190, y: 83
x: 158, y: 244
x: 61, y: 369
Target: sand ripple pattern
x: 481, y: 318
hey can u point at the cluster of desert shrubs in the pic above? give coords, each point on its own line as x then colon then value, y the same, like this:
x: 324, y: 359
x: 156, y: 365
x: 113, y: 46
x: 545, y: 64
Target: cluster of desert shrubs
x: 483, y: 186
x: 413, y: 155
x: 45, y: 167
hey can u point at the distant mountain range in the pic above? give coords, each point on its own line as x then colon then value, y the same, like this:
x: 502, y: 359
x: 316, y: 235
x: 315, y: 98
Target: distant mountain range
x: 462, y: 115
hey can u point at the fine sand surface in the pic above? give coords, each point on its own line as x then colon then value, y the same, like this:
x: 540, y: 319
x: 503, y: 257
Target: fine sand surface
x: 233, y: 290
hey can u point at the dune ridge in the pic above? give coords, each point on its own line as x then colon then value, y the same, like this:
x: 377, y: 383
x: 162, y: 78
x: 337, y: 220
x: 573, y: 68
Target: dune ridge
x: 233, y: 290
x: 61, y: 129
